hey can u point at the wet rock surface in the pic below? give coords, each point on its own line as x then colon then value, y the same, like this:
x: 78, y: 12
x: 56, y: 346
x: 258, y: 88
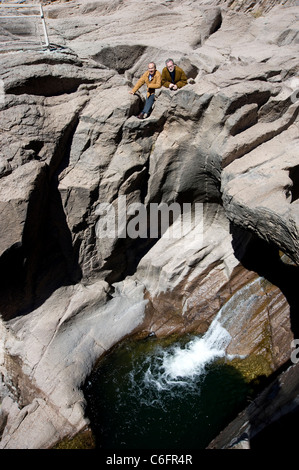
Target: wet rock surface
x: 70, y: 141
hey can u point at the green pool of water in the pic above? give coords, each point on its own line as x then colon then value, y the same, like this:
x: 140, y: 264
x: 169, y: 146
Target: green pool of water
x: 137, y: 400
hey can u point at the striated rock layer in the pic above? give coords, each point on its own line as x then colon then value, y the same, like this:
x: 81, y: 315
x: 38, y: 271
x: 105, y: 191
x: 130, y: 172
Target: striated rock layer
x: 72, y: 151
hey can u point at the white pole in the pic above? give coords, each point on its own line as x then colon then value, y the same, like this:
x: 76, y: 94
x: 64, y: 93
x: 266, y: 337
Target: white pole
x: 44, y: 26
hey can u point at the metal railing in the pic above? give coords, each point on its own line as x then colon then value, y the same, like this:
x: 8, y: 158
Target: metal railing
x: 17, y: 11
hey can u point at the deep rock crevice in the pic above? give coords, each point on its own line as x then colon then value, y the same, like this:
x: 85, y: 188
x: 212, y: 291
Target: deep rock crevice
x: 264, y: 258
x: 46, y: 86
x: 294, y: 175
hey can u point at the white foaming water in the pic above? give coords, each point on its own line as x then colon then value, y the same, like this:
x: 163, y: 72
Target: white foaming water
x: 198, y: 353
x: 178, y: 366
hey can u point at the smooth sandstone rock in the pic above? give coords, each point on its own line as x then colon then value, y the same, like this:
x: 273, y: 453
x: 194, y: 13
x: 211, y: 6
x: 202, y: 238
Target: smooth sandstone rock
x: 70, y: 141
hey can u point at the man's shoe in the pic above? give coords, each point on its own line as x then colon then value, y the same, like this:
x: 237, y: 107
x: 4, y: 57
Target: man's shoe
x: 141, y: 116
x: 144, y: 116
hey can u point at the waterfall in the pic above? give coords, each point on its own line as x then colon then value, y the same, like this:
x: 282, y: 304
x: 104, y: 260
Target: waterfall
x: 180, y: 364
x: 159, y: 394
x: 198, y: 353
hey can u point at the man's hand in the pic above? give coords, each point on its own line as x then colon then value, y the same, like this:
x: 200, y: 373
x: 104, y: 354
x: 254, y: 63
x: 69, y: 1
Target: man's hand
x: 172, y: 86
x: 131, y: 92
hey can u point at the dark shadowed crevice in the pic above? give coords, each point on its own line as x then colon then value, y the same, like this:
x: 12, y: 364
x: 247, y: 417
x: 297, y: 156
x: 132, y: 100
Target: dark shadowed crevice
x: 47, y: 86
x: 13, y: 278
x: 263, y: 258
x: 259, y: 97
x: 294, y: 175
x: 279, y: 434
x: 120, y: 58
x: 45, y: 259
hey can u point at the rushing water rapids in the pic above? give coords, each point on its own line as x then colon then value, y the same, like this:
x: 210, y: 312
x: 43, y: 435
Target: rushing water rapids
x: 155, y: 394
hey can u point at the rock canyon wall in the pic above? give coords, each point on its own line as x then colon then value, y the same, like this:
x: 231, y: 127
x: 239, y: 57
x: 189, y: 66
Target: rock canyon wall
x: 225, y: 145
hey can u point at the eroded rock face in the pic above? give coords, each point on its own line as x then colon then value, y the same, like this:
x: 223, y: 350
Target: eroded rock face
x: 225, y: 144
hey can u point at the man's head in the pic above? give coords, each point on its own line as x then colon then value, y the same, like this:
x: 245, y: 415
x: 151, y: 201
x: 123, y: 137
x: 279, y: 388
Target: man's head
x: 170, y: 65
x: 152, y: 68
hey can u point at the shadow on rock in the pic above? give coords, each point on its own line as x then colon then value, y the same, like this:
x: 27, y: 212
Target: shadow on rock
x: 45, y: 260
x: 257, y: 255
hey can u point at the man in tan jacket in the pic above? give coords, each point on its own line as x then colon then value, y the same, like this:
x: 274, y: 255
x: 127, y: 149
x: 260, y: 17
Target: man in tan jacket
x: 173, y: 77
x: 152, y: 79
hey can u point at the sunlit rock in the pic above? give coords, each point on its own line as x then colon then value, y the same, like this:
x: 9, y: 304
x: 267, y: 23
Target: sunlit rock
x: 72, y: 151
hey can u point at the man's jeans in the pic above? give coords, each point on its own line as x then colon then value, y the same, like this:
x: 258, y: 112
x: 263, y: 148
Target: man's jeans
x: 148, y: 104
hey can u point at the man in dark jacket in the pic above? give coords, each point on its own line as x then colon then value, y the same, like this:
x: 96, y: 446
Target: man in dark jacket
x: 173, y: 77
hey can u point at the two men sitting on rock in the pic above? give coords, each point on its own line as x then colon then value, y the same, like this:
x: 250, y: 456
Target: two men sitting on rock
x: 173, y: 77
